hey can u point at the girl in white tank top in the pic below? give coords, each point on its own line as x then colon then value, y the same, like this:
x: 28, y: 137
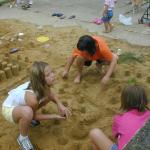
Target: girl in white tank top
x: 23, y: 102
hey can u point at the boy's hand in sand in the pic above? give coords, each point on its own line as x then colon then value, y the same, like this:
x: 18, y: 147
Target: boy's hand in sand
x: 64, y: 111
x: 65, y: 74
x: 105, y: 80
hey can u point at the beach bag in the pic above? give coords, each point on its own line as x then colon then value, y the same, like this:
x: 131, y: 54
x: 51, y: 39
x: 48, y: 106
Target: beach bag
x: 125, y: 20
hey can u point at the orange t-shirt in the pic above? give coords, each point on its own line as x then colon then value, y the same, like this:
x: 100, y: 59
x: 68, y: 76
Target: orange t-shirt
x: 102, y: 51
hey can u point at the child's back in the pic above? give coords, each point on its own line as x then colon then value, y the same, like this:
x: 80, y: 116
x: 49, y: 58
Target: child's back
x: 127, y: 124
x: 138, y: 142
x: 135, y: 113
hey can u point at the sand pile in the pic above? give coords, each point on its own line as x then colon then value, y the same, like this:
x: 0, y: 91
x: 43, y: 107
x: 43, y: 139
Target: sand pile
x: 91, y: 106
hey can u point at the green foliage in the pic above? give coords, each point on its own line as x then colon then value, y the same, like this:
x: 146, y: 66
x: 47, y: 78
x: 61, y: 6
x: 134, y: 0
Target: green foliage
x: 132, y: 81
x: 3, y: 1
x: 130, y: 57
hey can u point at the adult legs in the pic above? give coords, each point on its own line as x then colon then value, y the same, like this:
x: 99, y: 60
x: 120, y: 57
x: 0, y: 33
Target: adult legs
x: 99, y: 140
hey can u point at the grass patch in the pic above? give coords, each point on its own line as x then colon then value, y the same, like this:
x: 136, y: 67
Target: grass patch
x: 130, y: 57
x: 132, y: 81
x: 3, y: 1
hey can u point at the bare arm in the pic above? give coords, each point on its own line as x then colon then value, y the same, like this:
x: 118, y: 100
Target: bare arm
x: 32, y: 102
x: 67, y: 66
x: 40, y: 117
x: 105, y: 10
x: 64, y: 111
x: 110, y: 69
x: 112, y: 66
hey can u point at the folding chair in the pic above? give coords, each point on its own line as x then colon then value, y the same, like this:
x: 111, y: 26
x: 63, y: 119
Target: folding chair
x: 145, y: 19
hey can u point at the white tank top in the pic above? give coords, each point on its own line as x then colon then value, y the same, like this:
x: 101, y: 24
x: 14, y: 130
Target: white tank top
x: 16, y: 97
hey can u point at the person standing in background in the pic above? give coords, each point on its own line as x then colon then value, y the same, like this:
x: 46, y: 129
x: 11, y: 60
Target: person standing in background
x: 108, y: 14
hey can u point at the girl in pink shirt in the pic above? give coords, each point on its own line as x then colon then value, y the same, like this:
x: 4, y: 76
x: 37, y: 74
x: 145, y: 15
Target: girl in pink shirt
x: 108, y: 14
x: 135, y: 113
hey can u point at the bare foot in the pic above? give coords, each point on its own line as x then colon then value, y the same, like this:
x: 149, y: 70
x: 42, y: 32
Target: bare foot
x: 77, y: 79
x: 111, y: 27
x: 106, y: 31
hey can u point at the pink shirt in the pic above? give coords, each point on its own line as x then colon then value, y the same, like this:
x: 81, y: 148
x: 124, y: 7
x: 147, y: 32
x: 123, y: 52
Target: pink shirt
x: 127, y: 124
x: 110, y: 4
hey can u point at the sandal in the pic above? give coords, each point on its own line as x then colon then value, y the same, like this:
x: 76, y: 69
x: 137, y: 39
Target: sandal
x: 97, y: 21
x: 35, y: 123
x: 57, y: 14
x: 71, y: 17
x: 25, y: 6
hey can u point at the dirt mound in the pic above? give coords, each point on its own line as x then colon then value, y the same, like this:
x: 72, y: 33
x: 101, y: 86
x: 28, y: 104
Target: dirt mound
x: 91, y: 106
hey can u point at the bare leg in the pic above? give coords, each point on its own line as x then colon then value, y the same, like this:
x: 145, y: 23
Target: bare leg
x: 99, y: 140
x: 23, y: 115
x: 99, y: 67
x: 12, y: 3
x: 102, y: 67
x: 110, y: 26
x: 106, y: 25
x: 80, y: 63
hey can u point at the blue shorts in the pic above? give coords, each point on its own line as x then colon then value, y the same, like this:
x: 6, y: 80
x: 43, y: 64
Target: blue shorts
x: 108, y: 16
x: 114, y: 147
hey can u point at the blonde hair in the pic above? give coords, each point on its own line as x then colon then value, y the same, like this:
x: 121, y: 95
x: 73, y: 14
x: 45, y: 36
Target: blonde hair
x: 37, y: 79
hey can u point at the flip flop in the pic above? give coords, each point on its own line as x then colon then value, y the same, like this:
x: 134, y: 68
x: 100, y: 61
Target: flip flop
x: 35, y: 123
x: 54, y: 14
x: 13, y: 50
x: 97, y: 21
x: 25, y: 6
x: 62, y: 17
x: 57, y: 14
x: 71, y: 17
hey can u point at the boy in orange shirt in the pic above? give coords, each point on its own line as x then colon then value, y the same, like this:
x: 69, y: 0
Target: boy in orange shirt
x: 91, y: 48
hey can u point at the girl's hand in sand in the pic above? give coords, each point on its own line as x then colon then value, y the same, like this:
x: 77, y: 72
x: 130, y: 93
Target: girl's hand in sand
x: 64, y: 111
x: 58, y: 117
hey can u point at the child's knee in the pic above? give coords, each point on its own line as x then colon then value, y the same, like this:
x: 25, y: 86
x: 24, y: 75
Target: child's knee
x: 28, y: 113
x: 94, y: 133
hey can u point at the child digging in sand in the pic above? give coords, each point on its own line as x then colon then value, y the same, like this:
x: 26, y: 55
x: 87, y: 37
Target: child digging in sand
x: 135, y: 113
x: 22, y: 103
x: 108, y: 14
x: 91, y: 48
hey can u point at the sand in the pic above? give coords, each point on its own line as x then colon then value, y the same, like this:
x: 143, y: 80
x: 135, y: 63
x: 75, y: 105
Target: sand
x: 91, y: 105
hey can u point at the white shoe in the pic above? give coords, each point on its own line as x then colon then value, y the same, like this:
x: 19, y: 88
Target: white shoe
x: 10, y: 6
x: 25, y: 144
